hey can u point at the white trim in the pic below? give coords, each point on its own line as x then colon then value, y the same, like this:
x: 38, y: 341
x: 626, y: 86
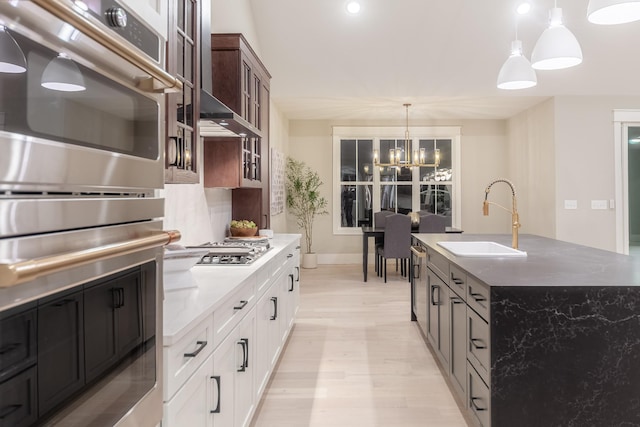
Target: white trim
x: 376, y: 133
x: 621, y: 121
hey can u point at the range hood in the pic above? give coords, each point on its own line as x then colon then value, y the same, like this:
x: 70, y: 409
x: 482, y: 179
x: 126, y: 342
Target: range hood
x: 216, y: 119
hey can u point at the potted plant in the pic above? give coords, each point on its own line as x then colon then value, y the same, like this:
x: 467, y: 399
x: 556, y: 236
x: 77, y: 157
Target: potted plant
x: 304, y: 202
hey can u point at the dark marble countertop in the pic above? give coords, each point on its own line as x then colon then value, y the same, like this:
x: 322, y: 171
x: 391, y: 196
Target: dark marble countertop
x: 549, y: 262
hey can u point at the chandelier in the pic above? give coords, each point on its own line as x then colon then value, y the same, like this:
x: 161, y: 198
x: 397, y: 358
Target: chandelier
x: 418, y: 158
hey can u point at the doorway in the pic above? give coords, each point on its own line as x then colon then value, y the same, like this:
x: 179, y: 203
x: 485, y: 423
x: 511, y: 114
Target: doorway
x: 627, y: 154
x: 633, y: 176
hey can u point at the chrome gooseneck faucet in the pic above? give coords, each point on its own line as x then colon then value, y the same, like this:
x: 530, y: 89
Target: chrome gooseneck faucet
x: 515, y: 218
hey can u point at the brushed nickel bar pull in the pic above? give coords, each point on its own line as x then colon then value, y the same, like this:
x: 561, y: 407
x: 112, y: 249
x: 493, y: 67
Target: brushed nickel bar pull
x: 65, y: 11
x: 20, y: 272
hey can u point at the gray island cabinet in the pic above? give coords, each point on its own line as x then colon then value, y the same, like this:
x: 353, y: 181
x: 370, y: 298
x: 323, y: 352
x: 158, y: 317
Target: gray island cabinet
x: 552, y: 339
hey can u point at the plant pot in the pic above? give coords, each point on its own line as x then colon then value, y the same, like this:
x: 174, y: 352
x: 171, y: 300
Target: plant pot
x: 310, y: 260
x: 243, y: 232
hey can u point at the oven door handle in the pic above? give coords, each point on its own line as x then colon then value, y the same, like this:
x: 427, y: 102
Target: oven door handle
x: 65, y: 10
x: 24, y: 271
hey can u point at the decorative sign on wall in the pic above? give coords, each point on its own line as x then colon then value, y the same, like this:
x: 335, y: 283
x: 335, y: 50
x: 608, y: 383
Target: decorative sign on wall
x: 277, y: 182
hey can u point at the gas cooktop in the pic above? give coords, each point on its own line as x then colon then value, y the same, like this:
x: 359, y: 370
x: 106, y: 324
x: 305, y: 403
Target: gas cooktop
x: 234, y: 251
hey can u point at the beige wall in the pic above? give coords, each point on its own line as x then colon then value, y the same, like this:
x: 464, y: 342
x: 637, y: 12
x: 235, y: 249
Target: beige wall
x: 532, y: 168
x: 584, y: 145
x: 235, y: 16
x: 484, y: 152
x: 278, y: 139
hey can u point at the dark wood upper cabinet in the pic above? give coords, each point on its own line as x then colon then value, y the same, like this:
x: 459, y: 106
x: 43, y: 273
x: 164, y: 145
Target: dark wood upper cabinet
x: 183, y: 108
x: 242, y: 83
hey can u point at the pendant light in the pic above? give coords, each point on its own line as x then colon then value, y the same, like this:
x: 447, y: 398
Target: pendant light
x: 62, y: 74
x: 557, y: 47
x: 12, y: 60
x: 609, y: 12
x: 516, y: 72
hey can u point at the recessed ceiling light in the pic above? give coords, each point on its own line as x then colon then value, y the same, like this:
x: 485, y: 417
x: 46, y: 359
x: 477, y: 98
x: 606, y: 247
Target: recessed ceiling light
x: 353, y: 7
x: 523, y: 8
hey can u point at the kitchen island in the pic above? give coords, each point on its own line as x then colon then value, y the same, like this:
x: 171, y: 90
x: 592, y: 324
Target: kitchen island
x: 551, y: 339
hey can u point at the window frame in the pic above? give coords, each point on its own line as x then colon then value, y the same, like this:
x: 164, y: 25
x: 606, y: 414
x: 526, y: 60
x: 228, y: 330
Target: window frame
x: 377, y: 133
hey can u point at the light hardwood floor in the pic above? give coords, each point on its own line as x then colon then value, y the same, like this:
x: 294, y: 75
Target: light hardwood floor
x: 355, y: 359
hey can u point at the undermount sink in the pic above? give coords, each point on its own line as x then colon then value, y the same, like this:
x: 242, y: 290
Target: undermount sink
x: 482, y: 249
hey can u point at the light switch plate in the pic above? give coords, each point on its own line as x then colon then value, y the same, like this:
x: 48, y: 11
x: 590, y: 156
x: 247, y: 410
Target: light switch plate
x: 599, y: 204
x: 571, y: 204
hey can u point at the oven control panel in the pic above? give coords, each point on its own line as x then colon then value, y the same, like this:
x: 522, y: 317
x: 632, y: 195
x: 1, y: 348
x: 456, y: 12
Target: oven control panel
x: 122, y: 21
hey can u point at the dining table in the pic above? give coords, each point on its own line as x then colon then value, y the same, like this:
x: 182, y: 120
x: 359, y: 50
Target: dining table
x: 378, y: 232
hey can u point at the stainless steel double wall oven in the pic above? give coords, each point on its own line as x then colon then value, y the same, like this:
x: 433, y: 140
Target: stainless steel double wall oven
x: 81, y: 119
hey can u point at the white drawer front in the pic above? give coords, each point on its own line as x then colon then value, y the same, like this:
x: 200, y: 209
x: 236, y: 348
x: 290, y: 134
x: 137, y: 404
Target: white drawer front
x: 184, y: 357
x: 229, y: 314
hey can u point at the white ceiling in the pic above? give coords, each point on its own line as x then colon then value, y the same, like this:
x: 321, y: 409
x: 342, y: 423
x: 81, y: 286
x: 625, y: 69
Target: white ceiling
x: 443, y: 56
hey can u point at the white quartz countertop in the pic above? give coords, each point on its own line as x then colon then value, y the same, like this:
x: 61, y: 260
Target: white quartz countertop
x: 185, y: 308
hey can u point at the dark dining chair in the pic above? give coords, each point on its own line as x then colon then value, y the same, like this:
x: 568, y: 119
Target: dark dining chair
x: 396, y: 245
x: 379, y: 219
x: 433, y: 223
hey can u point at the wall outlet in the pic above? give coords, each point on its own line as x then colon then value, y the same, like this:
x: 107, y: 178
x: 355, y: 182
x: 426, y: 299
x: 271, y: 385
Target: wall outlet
x: 571, y: 204
x: 599, y: 204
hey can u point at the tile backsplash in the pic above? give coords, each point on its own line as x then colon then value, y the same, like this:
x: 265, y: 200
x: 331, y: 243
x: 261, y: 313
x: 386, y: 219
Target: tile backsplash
x: 200, y: 214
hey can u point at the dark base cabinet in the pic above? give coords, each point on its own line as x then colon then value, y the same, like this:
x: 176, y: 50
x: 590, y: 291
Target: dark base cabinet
x: 54, y: 348
x: 60, y: 350
x: 113, y: 325
x: 18, y: 406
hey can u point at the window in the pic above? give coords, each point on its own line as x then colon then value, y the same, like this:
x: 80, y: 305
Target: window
x: 364, y: 189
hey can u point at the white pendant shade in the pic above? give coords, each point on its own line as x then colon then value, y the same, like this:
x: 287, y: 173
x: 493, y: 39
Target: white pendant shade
x: 557, y: 47
x: 609, y: 12
x: 63, y: 75
x: 516, y: 72
x: 12, y: 59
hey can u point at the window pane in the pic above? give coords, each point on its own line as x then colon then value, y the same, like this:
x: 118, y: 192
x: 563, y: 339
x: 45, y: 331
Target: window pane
x: 404, y: 174
x: 365, y: 160
x: 365, y: 205
x: 348, y: 196
x: 348, y: 160
x: 436, y: 199
x: 388, y: 197
x: 385, y: 146
x: 404, y: 199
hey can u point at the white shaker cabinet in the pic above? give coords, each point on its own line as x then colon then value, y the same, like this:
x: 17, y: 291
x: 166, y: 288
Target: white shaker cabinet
x: 218, y: 364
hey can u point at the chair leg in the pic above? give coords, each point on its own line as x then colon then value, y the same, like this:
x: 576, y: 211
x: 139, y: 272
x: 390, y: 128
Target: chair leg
x: 385, y: 270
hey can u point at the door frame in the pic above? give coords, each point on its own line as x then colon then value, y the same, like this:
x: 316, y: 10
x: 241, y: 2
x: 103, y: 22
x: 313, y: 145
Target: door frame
x: 622, y: 119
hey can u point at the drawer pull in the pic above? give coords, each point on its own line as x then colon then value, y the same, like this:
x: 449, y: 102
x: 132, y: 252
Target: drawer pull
x: 475, y: 406
x: 244, y: 343
x: 416, y: 271
x: 10, y: 348
x: 8, y: 410
x: 275, y: 308
x: 292, y: 282
x: 202, y: 345
x: 456, y: 300
x: 297, y: 274
x: 433, y: 289
x: 242, y: 305
x: 480, y: 346
x: 457, y: 281
x: 478, y: 297
x: 289, y: 255
x: 216, y: 378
